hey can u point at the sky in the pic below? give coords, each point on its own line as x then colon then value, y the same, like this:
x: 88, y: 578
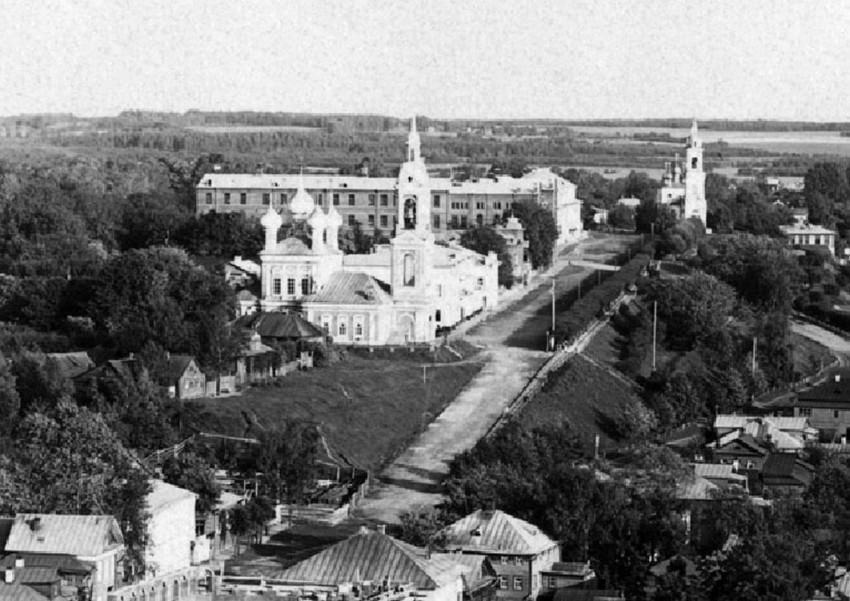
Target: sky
x: 565, y: 59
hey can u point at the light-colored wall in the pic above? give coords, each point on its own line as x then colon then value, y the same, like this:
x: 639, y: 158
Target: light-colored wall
x: 171, y: 532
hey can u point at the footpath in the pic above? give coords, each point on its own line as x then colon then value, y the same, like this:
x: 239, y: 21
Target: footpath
x: 513, y: 341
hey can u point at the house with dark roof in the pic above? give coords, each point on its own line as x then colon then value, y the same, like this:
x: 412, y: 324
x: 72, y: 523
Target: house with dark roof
x: 71, y: 365
x: 520, y: 553
x: 741, y: 450
x: 51, y: 576
x: 372, y: 563
x: 785, y: 472
x: 827, y: 406
x: 94, y: 541
x: 182, y: 377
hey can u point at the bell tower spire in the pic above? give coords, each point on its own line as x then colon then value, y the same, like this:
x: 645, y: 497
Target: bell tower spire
x: 414, y: 144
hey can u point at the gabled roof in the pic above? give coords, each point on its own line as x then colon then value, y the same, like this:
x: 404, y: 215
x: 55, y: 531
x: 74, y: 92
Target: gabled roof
x: 78, y: 535
x: 488, y: 531
x: 164, y: 494
x: 371, y: 555
x: 735, y: 439
x: 71, y: 365
x: 177, y: 365
x: 351, y: 288
x: 279, y: 325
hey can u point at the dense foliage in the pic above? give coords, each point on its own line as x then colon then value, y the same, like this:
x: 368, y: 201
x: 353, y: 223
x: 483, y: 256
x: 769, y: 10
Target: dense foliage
x: 484, y: 240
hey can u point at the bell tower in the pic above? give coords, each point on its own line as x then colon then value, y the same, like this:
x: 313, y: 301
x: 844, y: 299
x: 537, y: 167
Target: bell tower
x: 414, y: 188
x: 695, y: 203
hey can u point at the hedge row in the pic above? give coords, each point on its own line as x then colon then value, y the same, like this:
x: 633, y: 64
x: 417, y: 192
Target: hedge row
x: 596, y: 299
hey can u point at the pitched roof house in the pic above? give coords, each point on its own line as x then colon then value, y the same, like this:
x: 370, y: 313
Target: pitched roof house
x: 519, y: 552
x: 371, y: 558
x: 94, y: 540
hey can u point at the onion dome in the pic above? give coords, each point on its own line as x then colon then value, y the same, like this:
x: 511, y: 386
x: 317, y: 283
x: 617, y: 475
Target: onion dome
x: 333, y: 218
x: 271, y: 219
x: 302, y: 203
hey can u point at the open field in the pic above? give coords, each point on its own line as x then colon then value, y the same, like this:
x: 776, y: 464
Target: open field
x: 801, y: 142
x: 369, y: 405
x: 586, y: 396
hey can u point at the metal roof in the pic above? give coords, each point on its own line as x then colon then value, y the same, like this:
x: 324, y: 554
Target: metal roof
x: 741, y: 421
x: 78, y: 535
x: 72, y: 365
x: 697, y: 489
x: 18, y: 591
x: 351, y: 288
x: 496, y: 532
x: 717, y: 471
x: 279, y: 325
x: 374, y: 556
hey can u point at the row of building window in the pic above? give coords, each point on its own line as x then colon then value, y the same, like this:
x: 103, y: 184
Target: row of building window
x: 506, y: 559
x: 807, y: 412
x: 342, y: 326
x: 290, y: 286
x: 517, y: 582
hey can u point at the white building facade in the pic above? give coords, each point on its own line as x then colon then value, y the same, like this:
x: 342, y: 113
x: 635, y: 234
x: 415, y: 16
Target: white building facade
x: 401, y: 293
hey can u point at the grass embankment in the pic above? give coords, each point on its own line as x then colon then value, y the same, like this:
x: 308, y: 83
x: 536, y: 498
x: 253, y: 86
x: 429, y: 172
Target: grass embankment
x: 583, y: 394
x: 369, y: 405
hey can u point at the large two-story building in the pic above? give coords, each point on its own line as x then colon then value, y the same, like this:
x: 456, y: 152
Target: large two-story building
x: 373, y: 202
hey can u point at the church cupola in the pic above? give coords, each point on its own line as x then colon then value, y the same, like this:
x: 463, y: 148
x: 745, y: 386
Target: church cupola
x: 271, y: 222
x: 318, y: 223
x: 333, y: 221
x: 302, y: 203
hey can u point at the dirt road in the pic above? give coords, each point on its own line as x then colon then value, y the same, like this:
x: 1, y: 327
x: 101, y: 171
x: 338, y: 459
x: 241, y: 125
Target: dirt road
x: 513, y: 339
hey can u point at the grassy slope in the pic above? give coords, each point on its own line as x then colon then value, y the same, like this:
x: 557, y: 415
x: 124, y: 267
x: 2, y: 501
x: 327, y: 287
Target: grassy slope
x: 369, y: 405
x: 583, y: 394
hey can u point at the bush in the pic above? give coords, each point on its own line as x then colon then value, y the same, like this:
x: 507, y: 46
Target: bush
x: 574, y: 319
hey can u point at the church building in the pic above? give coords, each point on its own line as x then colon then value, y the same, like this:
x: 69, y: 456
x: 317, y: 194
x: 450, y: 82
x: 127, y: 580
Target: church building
x: 684, y: 190
x: 401, y: 293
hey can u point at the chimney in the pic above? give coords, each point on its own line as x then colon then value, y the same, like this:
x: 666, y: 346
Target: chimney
x: 35, y: 524
x: 381, y: 528
x: 363, y: 530
x: 837, y: 377
x: 19, y: 563
x: 843, y: 440
x: 10, y: 575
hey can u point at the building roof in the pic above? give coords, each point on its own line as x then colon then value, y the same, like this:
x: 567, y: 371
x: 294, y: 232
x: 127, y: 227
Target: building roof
x: 740, y: 440
x: 60, y: 563
x: 695, y: 489
x: 797, y: 424
x: 786, y: 468
x: 371, y: 555
x: 338, y: 183
x: 164, y: 494
x: 78, y: 535
x: 5, y: 529
x: 71, y: 365
x: 718, y: 471
x: 18, y: 591
x: 487, y: 531
x: 807, y: 228
x: 176, y: 367
x: 351, y: 288
x: 835, y: 391
x: 245, y: 265
x: 279, y: 325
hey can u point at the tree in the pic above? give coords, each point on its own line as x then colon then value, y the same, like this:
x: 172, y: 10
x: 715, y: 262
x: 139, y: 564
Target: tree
x: 151, y: 220
x: 221, y: 235
x: 160, y: 295
x: 637, y: 421
x: 693, y: 307
x: 653, y: 218
x: 540, y: 231
x: 192, y: 472
x: 286, y: 458
x: 622, y: 217
x: 10, y: 402
x: 72, y: 462
x: 420, y: 528
x: 829, y: 180
x: 484, y: 240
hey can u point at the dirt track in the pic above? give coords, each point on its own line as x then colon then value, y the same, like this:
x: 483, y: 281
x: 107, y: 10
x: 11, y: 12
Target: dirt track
x: 513, y: 340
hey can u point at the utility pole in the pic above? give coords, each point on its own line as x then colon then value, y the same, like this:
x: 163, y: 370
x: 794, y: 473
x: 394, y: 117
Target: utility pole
x: 755, y: 340
x: 553, y: 304
x: 654, y: 330
x: 424, y: 368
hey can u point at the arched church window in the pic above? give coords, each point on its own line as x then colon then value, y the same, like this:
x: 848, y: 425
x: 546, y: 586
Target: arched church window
x: 409, y: 277
x: 358, y: 329
x: 410, y: 213
x: 342, y: 329
x: 694, y: 163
